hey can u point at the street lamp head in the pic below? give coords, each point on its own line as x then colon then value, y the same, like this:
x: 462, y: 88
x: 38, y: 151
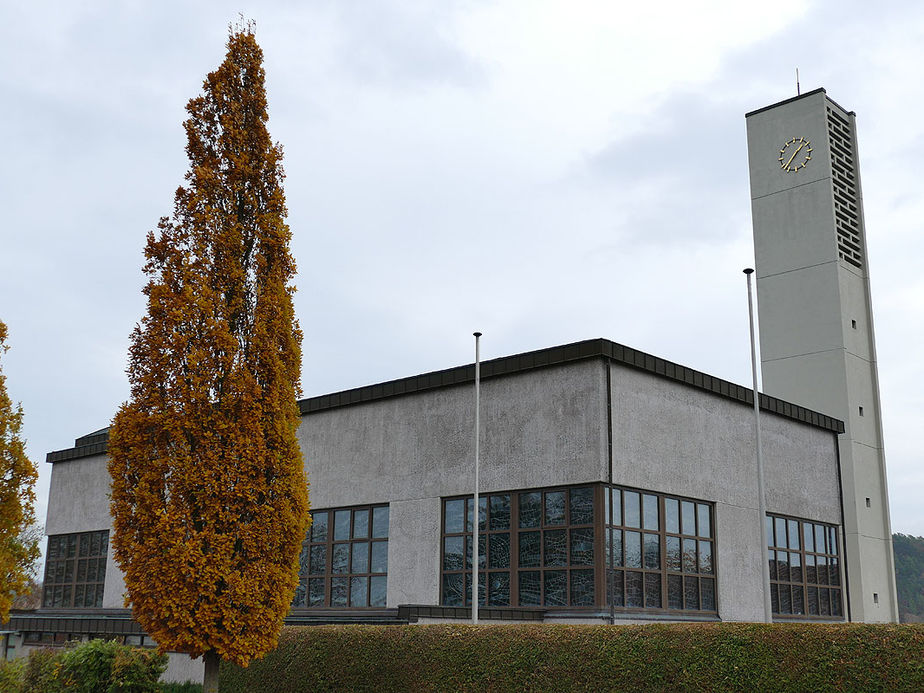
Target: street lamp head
x: 748, y: 270
x: 477, y: 334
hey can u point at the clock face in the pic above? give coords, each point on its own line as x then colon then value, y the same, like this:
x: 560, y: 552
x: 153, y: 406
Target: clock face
x: 795, y: 154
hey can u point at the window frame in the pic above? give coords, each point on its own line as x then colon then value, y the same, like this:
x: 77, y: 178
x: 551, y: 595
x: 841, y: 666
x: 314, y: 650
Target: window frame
x: 833, y: 536
x: 311, y: 574
x: 68, y: 565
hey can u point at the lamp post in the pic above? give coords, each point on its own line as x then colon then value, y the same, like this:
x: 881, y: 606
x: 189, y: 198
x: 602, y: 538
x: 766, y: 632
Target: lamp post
x: 475, y: 552
x: 761, y: 501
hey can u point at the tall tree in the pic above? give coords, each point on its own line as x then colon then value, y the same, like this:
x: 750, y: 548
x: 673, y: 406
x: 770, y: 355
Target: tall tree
x: 18, y: 550
x: 209, y: 495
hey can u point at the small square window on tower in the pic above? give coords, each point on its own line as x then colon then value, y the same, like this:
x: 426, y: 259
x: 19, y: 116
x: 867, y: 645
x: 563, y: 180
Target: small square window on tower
x: 861, y: 411
x: 853, y: 324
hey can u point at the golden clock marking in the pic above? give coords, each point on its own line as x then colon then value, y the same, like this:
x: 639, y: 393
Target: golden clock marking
x: 802, y: 144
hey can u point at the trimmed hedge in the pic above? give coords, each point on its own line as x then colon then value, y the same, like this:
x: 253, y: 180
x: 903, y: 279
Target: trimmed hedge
x: 701, y: 657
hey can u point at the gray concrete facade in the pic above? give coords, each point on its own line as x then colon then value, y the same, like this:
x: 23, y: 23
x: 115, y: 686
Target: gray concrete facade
x: 816, y: 324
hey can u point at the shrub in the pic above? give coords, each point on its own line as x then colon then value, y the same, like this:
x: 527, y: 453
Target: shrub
x: 40, y: 671
x: 701, y: 656
x: 11, y: 675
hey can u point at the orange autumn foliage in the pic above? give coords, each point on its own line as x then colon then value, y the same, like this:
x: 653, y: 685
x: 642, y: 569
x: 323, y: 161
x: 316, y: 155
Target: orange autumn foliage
x: 209, y: 495
x: 18, y: 552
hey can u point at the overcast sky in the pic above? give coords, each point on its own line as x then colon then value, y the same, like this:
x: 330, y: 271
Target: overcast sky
x: 544, y: 172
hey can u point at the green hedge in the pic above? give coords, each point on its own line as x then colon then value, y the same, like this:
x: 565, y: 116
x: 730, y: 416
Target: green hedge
x: 701, y: 657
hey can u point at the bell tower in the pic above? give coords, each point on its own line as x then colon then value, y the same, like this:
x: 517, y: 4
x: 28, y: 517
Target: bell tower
x: 817, y: 343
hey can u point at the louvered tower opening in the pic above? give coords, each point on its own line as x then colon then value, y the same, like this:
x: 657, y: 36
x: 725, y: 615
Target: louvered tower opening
x: 844, y: 178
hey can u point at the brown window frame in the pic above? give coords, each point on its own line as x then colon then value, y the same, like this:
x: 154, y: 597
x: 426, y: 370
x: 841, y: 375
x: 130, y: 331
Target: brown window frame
x: 322, y: 542
x: 71, y: 556
x: 697, y: 577
x: 799, y: 589
x: 514, y: 572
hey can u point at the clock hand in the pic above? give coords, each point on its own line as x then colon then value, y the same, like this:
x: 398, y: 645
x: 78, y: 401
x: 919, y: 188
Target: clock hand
x: 786, y: 165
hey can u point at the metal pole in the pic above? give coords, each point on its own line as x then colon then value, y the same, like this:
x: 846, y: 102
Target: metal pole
x: 475, y: 552
x: 761, y: 501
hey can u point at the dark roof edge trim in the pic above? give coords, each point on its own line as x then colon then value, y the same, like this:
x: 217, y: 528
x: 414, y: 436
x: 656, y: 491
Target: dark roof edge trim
x: 518, y: 363
x: 786, y: 101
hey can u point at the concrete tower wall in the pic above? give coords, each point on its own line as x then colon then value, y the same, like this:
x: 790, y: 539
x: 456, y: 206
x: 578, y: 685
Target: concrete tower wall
x: 816, y: 325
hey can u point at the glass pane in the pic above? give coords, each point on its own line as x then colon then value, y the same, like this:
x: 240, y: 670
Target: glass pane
x: 79, y: 593
x: 84, y: 549
x: 582, y: 588
x: 555, y: 508
x: 793, y: 527
x: 92, y: 570
x: 468, y: 551
x: 360, y: 524
x: 821, y: 574
x: 769, y: 521
x: 340, y: 558
x: 672, y: 515
x: 652, y: 552
x: 482, y: 513
x: 380, y: 556
x: 810, y: 576
x: 530, y: 509
x: 377, y: 587
x: 82, y: 570
x: 556, y: 587
x: 819, y: 539
x: 499, y: 589
x: 452, y: 553
x: 380, y: 522
x: 834, y: 571
x: 339, y: 586
x: 614, y: 588
x: 481, y: 590
x: 616, y: 536
x: 582, y: 506
x: 617, y: 506
x: 782, y: 564
x: 832, y: 540
x: 824, y: 605
x: 500, y: 512
x: 689, y: 555
x: 72, y: 545
x: 453, y: 515
x: 529, y: 588
x: 529, y: 549
x: 785, y: 600
x: 499, y: 556
x: 704, y: 519
x: 634, y: 589
x: 705, y: 557
x: 582, y: 546
x: 673, y: 553
x: 809, y: 536
x: 653, y: 590
x: 318, y: 559
x: 316, y: 592
x: 798, y: 600
x: 360, y: 562
x: 633, y: 549
x: 707, y: 591
x: 688, y: 517
x: 836, y: 603
x: 690, y: 593
x: 812, y: 600
x: 53, y: 544
x: 318, y: 526
x: 674, y: 592
x: 795, y: 569
x: 341, y: 525
x: 633, y: 513
x: 453, y: 589
x: 104, y: 543
x: 650, y: 511
x: 359, y: 591
x: 781, y: 539
x: 555, y: 547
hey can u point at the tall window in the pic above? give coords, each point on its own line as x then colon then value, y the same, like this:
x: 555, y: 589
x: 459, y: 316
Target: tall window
x: 805, y: 574
x: 75, y: 570
x: 659, y: 552
x: 344, y: 559
x: 535, y: 547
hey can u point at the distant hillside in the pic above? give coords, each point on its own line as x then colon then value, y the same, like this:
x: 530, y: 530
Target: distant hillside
x: 909, y: 576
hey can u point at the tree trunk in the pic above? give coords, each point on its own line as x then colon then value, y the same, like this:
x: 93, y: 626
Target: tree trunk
x: 210, y: 679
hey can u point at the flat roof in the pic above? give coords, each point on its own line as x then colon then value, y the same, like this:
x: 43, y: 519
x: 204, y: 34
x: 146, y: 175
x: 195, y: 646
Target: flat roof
x: 96, y: 443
